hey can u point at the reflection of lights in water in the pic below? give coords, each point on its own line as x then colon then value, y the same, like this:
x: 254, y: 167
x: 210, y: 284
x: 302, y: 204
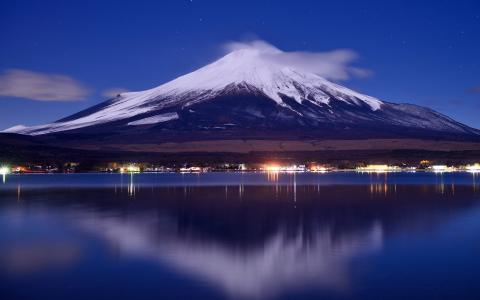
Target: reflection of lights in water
x: 379, y: 183
x: 121, y: 182
x: 131, y: 186
x: 318, y: 184
x: 241, y: 189
x: 272, y: 176
x: 294, y: 187
x: 380, y: 189
x: 474, y: 179
x: 18, y: 192
x: 292, y: 184
x: 440, y: 186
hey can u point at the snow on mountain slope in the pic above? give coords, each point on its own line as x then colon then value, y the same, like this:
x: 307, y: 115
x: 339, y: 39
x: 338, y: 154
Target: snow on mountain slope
x: 155, y: 119
x: 241, y: 67
x: 248, y: 66
x: 246, y: 91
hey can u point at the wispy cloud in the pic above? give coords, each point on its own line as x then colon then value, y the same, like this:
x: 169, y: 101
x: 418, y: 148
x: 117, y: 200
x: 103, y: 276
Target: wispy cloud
x: 335, y: 64
x: 113, y: 92
x: 475, y: 90
x: 41, y: 86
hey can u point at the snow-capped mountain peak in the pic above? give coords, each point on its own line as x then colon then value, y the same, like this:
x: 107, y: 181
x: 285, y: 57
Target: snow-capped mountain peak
x: 255, y: 68
x: 250, y: 91
x: 251, y: 67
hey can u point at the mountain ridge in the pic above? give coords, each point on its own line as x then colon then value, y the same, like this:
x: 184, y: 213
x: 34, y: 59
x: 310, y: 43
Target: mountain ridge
x: 245, y: 95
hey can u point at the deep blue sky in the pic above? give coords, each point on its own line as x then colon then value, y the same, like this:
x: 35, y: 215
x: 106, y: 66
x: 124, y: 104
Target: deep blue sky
x: 423, y: 52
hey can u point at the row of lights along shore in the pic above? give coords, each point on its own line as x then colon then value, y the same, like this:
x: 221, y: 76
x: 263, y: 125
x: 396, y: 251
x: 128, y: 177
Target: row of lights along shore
x: 271, y: 167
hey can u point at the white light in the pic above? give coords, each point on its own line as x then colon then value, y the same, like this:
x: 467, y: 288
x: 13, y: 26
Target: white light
x: 191, y: 169
x: 442, y: 168
x: 288, y: 168
x: 474, y: 168
x: 133, y: 169
x: 319, y: 169
x: 378, y: 168
x: 4, y: 170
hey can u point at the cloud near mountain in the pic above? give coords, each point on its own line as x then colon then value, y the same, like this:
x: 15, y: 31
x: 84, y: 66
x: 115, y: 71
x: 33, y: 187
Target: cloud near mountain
x: 41, y: 86
x: 334, y: 65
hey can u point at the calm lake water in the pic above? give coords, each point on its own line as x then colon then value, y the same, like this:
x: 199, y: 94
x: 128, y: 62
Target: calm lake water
x: 240, y: 236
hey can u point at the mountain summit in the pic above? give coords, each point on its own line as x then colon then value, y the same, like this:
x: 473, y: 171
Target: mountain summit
x: 246, y: 94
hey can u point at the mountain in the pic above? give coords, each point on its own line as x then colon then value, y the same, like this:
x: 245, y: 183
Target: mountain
x: 245, y: 95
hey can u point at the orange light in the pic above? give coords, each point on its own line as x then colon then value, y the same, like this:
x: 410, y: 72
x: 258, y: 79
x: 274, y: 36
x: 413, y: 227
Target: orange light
x: 273, y: 168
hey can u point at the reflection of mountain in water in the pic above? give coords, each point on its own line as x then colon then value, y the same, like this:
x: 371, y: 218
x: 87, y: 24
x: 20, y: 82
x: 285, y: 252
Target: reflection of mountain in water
x: 257, y: 241
x: 284, y: 260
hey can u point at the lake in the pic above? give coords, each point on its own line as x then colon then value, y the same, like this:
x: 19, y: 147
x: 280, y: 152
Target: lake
x: 340, y: 235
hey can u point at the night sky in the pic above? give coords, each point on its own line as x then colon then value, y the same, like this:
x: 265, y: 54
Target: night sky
x: 422, y: 52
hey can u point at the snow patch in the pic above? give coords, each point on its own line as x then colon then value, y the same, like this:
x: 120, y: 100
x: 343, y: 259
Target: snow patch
x: 156, y: 119
x: 15, y: 129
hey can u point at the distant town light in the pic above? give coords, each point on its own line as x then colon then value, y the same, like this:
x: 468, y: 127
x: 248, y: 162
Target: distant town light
x: 4, y: 170
x: 191, y: 169
x: 473, y: 168
x: 442, y: 168
x: 290, y: 168
x: 272, y: 168
x: 133, y: 169
x: 130, y: 169
x: 319, y: 169
x: 378, y: 168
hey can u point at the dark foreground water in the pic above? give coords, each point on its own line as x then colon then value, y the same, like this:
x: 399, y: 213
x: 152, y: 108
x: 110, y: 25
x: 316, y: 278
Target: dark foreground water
x: 240, y: 236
